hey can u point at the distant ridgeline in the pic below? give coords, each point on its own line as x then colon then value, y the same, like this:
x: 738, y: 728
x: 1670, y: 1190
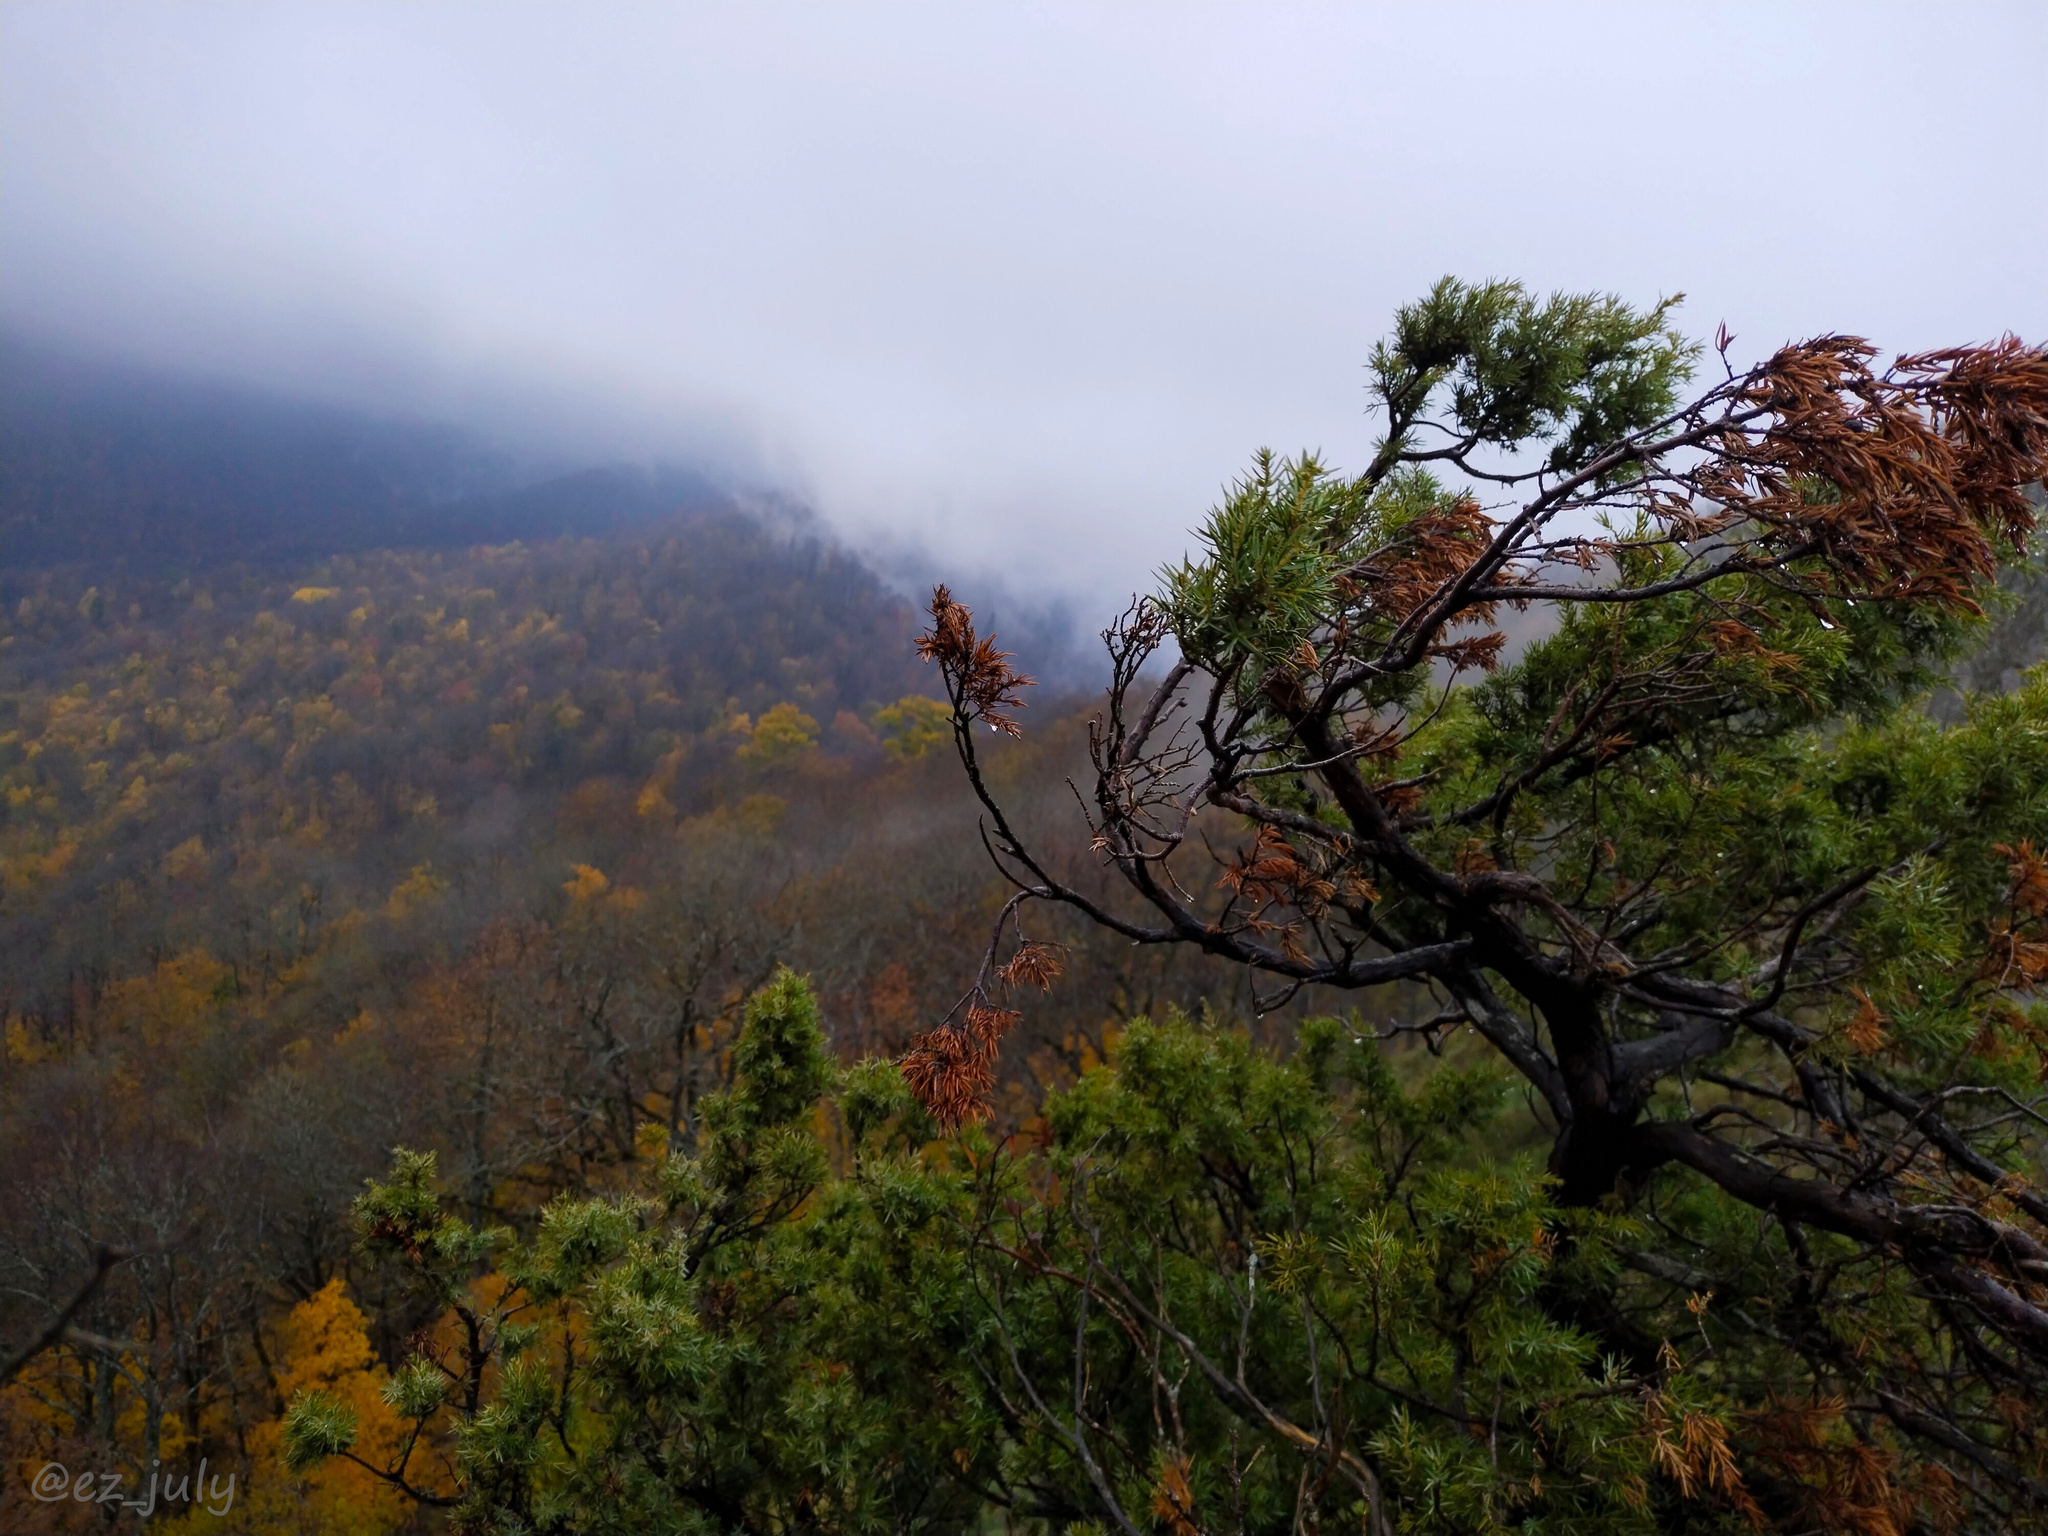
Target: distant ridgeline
x: 149, y: 475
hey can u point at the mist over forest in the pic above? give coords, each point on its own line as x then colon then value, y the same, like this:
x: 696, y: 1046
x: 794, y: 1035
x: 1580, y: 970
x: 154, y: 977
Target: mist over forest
x: 164, y: 473
x: 310, y: 720
x: 366, y: 787
x: 1023, y: 770
x: 558, y: 632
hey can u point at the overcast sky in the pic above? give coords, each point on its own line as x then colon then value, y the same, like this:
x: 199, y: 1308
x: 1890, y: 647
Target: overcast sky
x: 1022, y: 284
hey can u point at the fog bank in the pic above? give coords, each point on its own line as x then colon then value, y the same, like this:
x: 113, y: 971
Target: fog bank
x: 1018, y: 285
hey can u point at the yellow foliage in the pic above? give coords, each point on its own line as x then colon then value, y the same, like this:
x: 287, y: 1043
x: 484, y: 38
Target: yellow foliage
x: 780, y: 737
x: 130, y: 1426
x: 187, y: 861
x: 24, y: 1047
x: 34, y: 1421
x: 322, y: 1343
x: 419, y: 889
x: 761, y: 814
x: 135, y: 799
x: 653, y: 804
x: 322, y: 1346
x: 913, y: 725
x: 315, y: 717
x: 590, y: 890
x: 172, y: 1005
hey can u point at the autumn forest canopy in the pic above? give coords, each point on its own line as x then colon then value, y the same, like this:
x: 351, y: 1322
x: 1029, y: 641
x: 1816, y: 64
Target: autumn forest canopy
x: 560, y: 1001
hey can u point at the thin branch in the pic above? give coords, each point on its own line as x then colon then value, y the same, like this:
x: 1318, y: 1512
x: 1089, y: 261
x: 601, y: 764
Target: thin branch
x: 103, y: 1261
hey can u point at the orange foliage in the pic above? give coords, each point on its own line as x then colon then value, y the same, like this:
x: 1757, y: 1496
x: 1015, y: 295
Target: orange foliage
x: 1173, y: 1500
x: 322, y: 1345
x: 1844, y: 1484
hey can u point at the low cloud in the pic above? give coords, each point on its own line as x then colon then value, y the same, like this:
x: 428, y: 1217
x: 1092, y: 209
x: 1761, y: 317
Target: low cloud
x: 1019, y: 285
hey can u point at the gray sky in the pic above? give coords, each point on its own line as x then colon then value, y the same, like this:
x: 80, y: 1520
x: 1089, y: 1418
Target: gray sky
x: 1020, y: 284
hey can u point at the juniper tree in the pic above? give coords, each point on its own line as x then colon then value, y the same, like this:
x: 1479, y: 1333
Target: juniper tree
x: 1759, y: 935
x: 742, y: 1342
x: 1120, y: 1323
x: 1753, y: 931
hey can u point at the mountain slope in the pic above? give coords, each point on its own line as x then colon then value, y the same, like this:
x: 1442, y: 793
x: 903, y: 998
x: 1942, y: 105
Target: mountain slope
x: 154, y: 474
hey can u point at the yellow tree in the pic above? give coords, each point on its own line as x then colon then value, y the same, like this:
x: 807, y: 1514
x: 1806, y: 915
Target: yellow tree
x: 323, y: 1346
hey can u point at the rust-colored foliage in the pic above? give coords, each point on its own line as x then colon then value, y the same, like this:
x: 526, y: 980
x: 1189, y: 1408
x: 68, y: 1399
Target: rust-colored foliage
x: 1480, y: 651
x: 1268, y: 871
x: 1034, y: 965
x: 1173, y: 1500
x: 1842, y: 1483
x: 952, y: 1068
x: 1903, y: 483
x: 980, y: 679
x: 1865, y: 1031
x: 2029, y: 877
x: 2017, y: 954
x: 1432, y: 549
x: 1691, y: 1448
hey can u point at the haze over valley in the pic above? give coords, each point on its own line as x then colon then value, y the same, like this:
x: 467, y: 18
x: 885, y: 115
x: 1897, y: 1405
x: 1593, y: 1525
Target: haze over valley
x: 905, y: 770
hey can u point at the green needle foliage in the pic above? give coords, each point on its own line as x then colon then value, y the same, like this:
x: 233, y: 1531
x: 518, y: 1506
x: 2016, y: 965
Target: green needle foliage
x: 1760, y: 933
x: 1130, y: 1320
x: 1686, y: 1176
x: 1575, y: 370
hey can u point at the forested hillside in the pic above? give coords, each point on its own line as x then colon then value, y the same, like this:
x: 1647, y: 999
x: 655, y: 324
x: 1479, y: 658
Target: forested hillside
x: 538, y: 1033
x: 234, y: 749
x: 315, y: 842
